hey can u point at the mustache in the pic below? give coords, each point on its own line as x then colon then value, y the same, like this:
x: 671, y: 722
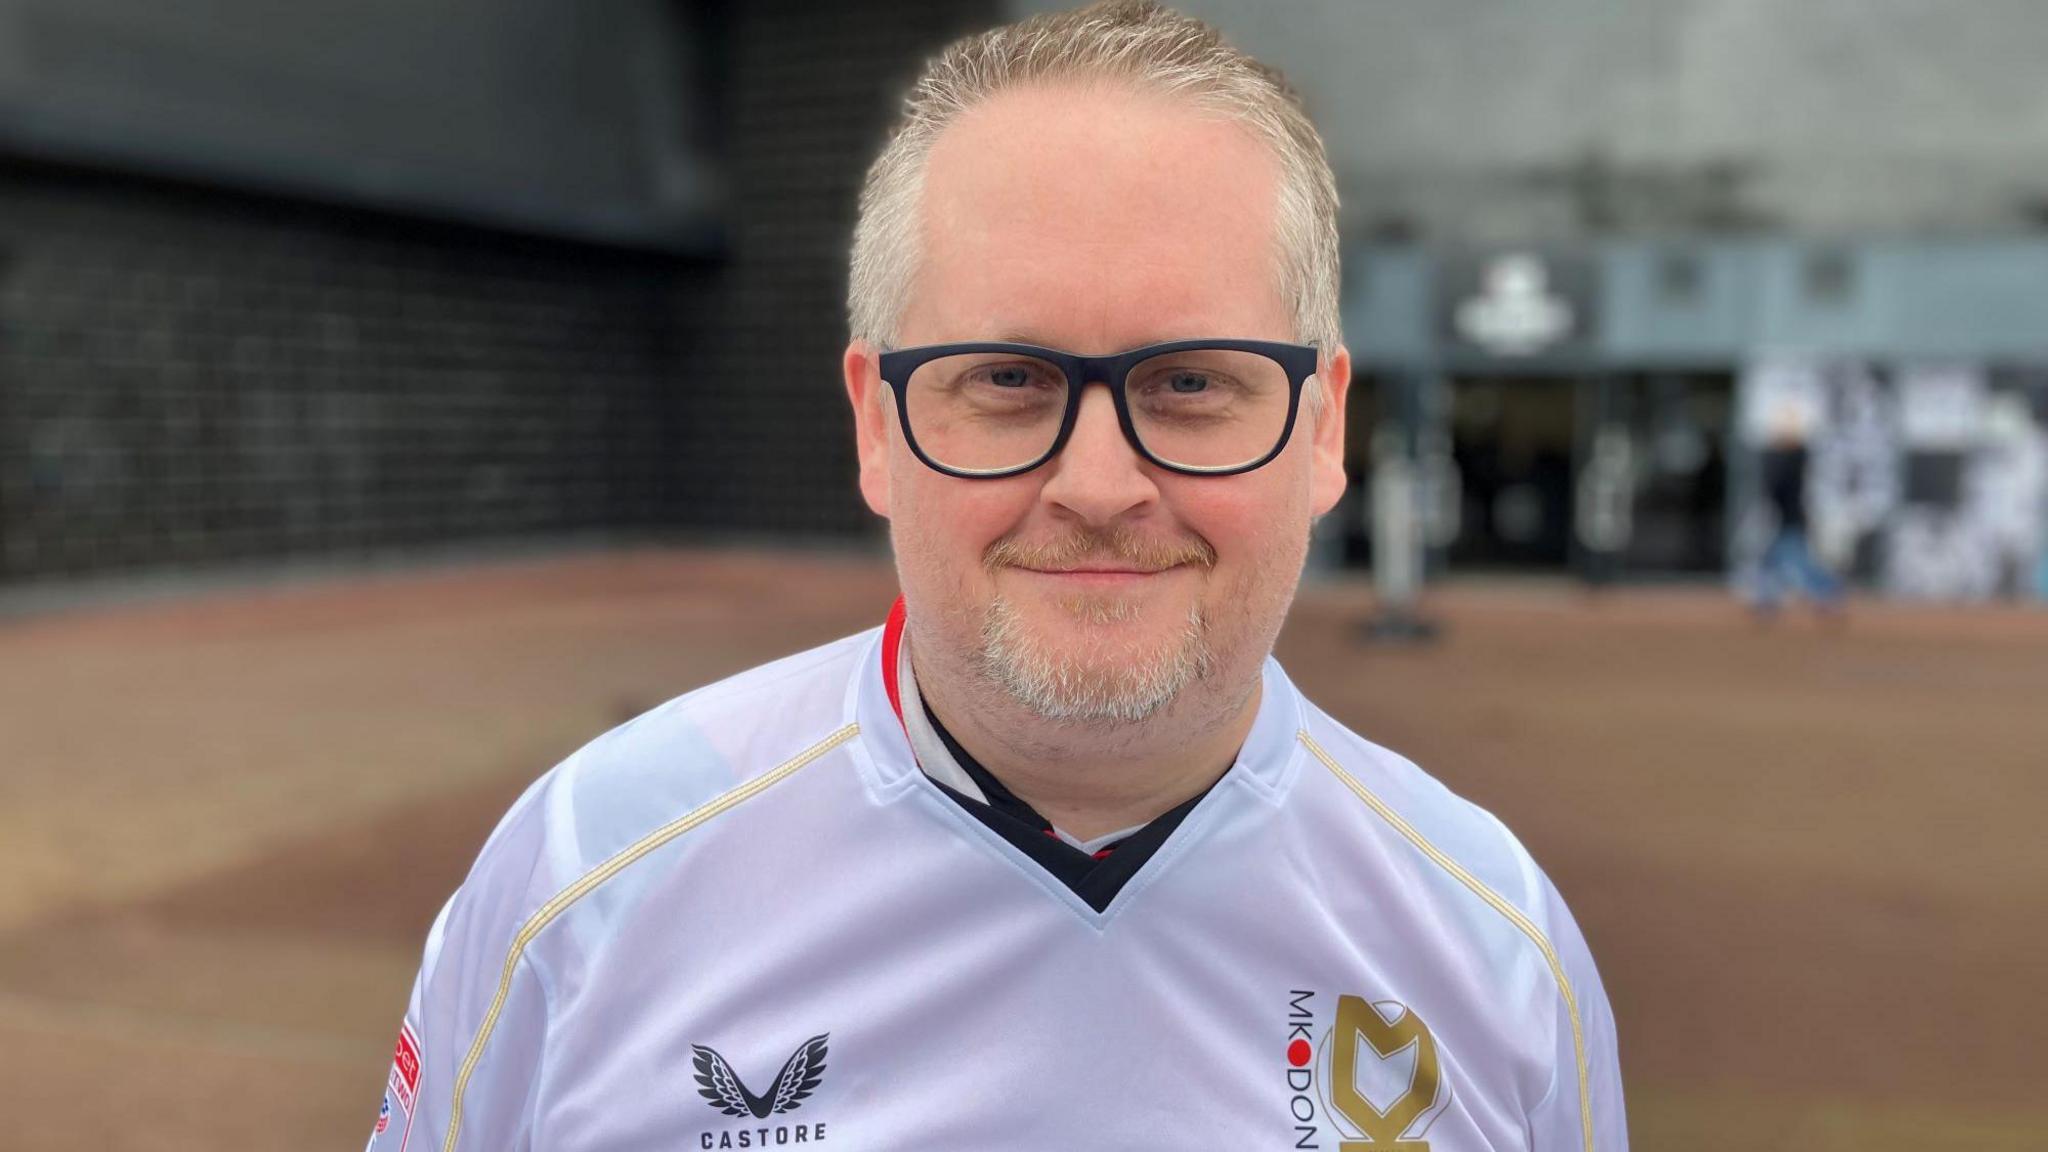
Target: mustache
x: 1117, y: 547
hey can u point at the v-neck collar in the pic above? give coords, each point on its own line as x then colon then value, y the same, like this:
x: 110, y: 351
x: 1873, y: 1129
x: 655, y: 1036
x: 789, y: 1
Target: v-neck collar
x: 1095, y: 875
x: 907, y: 752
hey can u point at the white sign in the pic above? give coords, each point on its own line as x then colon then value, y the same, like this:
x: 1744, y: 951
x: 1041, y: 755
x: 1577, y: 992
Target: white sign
x: 1516, y: 312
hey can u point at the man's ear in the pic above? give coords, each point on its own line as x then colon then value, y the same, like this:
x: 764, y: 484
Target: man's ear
x: 1327, y: 481
x: 871, y: 403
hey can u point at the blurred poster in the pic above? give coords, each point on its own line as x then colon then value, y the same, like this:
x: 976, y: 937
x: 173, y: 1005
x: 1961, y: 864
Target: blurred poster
x: 1929, y: 481
x: 1941, y: 407
x: 1976, y: 464
x: 1934, y: 555
x: 1845, y: 415
x: 2023, y: 425
x: 2005, y: 490
x: 1856, y: 481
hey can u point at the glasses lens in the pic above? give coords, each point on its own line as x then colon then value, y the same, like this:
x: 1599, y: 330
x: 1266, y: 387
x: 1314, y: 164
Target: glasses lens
x: 1209, y: 409
x: 986, y: 411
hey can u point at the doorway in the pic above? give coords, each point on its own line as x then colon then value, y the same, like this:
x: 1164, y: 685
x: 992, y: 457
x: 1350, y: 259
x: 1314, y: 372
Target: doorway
x: 1513, y: 440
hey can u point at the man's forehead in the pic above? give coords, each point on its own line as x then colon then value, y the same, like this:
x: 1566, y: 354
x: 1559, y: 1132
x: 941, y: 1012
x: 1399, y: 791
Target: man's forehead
x: 1050, y: 156
x: 1098, y: 197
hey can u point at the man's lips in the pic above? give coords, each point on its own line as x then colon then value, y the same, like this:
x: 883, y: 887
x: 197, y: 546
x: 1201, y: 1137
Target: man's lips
x: 1102, y: 575
x: 1098, y: 571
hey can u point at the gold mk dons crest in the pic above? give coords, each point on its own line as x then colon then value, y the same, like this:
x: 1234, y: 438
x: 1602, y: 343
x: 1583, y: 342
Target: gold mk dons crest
x: 1381, y: 1079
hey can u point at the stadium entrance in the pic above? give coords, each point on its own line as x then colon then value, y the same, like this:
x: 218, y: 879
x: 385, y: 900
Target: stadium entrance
x: 1609, y: 475
x: 1512, y: 447
x: 1678, y: 426
x: 1554, y: 411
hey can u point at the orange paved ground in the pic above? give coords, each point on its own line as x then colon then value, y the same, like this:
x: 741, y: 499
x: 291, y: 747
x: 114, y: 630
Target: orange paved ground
x: 1810, y: 863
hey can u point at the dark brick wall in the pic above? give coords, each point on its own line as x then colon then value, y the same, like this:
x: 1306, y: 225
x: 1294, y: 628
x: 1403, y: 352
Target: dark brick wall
x: 194, y: 379
x: 809, y: 91
x: 187, y: 379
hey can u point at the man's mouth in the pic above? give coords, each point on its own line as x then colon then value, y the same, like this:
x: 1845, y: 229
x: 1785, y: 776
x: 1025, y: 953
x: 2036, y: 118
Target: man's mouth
x: 1099, y: 576
x: 1099, y: 570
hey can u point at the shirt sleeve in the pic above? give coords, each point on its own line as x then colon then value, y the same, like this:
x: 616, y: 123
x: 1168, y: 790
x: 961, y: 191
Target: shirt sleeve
x: 1586, y: 1055
x: 469, y: 1048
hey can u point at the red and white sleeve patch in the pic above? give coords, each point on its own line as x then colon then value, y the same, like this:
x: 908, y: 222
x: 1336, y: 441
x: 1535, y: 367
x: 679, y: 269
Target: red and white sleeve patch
x: 401, y: 1094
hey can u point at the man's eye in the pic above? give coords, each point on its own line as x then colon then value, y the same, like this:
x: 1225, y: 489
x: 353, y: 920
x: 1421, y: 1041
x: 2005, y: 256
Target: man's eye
x: 1186, y: 384
x: 1008, y: 377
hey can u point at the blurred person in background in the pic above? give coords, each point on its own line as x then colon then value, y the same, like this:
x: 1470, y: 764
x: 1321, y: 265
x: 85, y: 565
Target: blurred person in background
x: 1057, y: 857
x: 1788, y: 561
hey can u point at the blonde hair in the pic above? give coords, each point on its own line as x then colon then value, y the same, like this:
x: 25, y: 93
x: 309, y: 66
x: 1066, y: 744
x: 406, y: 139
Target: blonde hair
x: 1135, y: 42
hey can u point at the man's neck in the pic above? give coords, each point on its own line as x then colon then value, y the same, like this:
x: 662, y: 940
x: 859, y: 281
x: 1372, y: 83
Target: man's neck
x: 1090, y: 779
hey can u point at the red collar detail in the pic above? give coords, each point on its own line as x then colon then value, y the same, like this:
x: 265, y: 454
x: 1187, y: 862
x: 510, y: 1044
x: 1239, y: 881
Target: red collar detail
x: 892, y: 645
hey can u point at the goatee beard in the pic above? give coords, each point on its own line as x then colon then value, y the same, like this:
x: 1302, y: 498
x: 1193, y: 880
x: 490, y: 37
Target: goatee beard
x: 1124, y: 687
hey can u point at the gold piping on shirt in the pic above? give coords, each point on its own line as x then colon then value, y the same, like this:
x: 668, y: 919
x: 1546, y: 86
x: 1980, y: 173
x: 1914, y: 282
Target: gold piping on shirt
x: 603, y: 872
x: 1492, y: 898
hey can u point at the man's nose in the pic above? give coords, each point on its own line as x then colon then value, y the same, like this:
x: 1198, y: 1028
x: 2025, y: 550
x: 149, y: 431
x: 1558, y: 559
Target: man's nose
x: 1099, y: 475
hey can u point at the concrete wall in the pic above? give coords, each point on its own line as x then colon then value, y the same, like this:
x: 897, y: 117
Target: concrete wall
x: 1490, y: 121
x: 583, y: 119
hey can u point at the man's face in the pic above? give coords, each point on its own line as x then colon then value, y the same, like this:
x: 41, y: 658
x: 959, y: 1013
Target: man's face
x: 1097, y: 586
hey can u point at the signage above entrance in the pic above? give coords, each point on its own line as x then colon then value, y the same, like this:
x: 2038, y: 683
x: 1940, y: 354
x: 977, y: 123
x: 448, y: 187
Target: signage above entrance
x: 1517, y: 305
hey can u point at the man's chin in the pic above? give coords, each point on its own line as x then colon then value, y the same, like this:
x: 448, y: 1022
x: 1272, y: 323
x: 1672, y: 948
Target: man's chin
x: 1075, y: 621
x: 1094, y: 659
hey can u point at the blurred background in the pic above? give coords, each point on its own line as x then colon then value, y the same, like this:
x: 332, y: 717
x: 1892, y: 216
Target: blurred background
x: 395, y: 395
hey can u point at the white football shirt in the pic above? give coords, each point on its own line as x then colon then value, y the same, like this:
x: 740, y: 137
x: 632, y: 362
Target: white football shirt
x: 748, y: 919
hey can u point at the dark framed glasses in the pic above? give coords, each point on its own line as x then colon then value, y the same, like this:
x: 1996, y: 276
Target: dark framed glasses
x: 1198, y: 407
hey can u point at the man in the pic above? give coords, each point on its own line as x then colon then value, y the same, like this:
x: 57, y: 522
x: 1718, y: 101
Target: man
x: 1788, y: 561
x: 1058, y: 857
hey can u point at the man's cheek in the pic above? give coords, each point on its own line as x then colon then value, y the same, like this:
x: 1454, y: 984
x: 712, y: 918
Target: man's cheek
x: 1229, y: 520
x: 980, y: 512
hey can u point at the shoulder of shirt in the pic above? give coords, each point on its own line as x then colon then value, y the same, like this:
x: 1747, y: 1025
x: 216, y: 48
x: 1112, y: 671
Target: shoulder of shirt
x: 690, y: 758
x: 1392, y: 796
x: 1474, y: 872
